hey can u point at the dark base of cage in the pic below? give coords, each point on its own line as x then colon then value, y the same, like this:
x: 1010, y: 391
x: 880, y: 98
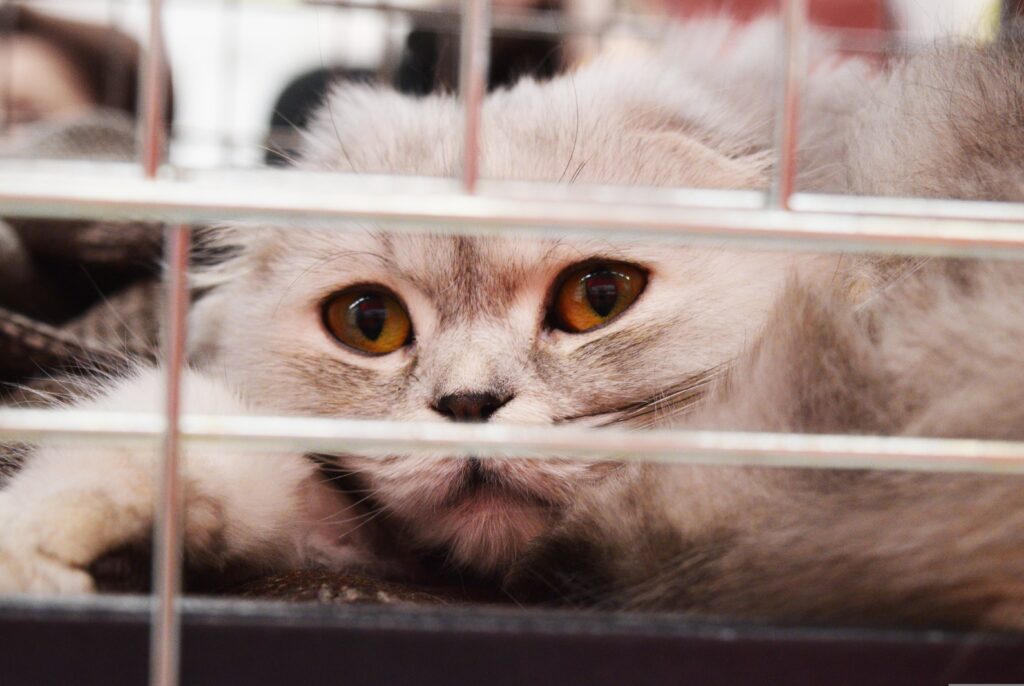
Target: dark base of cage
x: 106, y: 642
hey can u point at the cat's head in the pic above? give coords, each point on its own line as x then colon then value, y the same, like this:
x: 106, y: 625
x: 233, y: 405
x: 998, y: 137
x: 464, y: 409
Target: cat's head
x: 363, y: 322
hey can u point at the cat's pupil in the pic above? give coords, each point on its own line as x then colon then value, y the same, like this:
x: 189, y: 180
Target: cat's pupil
x: 370, y: 313
x: 602, y: 290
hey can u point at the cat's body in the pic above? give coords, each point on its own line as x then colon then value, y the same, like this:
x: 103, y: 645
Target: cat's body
x: 484, y: 347
x: 937, y: 356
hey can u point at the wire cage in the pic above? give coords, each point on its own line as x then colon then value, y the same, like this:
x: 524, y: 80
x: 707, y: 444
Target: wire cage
x: 211, y: 172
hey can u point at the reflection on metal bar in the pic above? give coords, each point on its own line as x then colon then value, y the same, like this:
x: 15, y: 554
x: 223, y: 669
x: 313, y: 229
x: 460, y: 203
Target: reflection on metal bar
x: 821, y: 222
x: 8, y: 25
x: 794, y: 27
x: 168, y: 522
x: 473, y: 59
x: 306, y: 434
x: 165, y: 629
x: 152, y: 89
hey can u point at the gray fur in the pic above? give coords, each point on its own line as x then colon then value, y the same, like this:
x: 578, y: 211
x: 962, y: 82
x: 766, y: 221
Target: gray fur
x: 706, y: 539
x: 930, y: 358
x: 935, y: 351
x: 719, y: 338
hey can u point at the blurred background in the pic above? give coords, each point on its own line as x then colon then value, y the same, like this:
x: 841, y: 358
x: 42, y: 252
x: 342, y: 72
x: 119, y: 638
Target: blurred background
x: 241, y: 79
x: 244, y: 74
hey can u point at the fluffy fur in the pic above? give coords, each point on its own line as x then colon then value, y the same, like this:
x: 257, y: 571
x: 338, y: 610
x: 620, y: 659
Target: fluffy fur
x: 68, y: 506
x: 479, y: 305
x: 932, y: 358
x: 813, y: 343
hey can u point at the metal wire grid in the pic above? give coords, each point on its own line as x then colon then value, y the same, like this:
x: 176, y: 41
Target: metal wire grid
x: 779, y: 217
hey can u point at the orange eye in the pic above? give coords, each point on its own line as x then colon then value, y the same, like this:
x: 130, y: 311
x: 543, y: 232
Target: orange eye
x: 368, y: 319
x: 594, y: 295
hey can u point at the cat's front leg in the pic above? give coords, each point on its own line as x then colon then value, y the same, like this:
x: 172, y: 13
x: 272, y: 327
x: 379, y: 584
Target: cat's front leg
x: 69, y: 506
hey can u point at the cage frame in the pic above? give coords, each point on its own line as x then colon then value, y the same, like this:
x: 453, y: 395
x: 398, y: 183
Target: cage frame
x: 777, y: 218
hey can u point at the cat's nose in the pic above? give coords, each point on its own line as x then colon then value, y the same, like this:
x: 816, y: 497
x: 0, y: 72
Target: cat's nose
x: 470, y: 407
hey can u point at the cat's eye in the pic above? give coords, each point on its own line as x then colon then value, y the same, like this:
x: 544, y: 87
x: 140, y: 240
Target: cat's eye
x: 594, y: 295
x: 368, y: 319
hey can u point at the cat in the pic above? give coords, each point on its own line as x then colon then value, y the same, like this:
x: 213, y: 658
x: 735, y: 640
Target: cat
x: 932, y: 352
x: 936, y: 356
x: 431, y: 326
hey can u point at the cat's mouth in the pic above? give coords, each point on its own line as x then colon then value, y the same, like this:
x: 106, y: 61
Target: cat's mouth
x: 481, y: 512
x: 480, y: 484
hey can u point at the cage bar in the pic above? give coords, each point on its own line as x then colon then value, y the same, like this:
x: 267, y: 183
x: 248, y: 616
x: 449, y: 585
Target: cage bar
x: 165, y: 628
x: 168, y: 520
x: 828, y: 222
x: 473, y: 60
x: 261, y: 434
x: 794, y: 64
x: 8, y: 24
x: 823, y: 222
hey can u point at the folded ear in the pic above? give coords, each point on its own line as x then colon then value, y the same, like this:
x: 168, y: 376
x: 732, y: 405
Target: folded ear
x: 718, y: 80
x: 691, y: 163
x: 688, y: 156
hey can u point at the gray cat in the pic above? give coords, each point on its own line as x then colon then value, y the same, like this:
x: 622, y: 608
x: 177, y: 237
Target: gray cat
x: 375, y: 324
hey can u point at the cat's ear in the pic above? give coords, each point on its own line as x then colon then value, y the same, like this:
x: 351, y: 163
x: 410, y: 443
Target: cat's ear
x: 686, y: 156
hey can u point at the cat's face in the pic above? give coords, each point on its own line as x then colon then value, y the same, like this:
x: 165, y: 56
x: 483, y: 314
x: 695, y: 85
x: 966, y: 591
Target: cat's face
x: 479, y: 334
x: 481, y: 322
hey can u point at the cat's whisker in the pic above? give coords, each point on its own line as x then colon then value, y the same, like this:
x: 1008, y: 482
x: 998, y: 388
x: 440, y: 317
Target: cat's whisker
x: 660, y: 409
x: 382, y: 511
x: 280, y: 153
x: 334, y: 516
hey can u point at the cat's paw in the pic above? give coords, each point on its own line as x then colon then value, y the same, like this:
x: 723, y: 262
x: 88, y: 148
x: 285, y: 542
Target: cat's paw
x: 28, y: 570
x: 43, y: 552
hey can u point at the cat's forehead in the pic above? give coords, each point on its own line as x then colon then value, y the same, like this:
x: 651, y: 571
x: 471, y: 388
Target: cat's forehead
x: 564, y: 131
x: 489, y: 270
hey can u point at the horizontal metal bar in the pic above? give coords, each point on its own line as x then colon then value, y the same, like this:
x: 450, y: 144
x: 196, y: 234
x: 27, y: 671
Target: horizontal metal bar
x: 262, y: 434
x: 331, y: 201
x: 895, y: 207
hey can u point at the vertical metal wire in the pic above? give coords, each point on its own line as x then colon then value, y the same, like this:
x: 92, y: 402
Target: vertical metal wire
x: 165, y: 628
x: 794, y: 28
x: 8, y: 17
x: 153, y: 93
x: 473, y: 58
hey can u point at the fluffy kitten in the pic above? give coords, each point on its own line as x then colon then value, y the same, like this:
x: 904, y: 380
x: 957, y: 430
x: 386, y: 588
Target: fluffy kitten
x: 483, y: 343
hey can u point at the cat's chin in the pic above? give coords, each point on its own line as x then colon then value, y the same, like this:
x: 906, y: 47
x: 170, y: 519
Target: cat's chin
x: 480, y: 517
x: 479, y: 514
x: 484, y: 531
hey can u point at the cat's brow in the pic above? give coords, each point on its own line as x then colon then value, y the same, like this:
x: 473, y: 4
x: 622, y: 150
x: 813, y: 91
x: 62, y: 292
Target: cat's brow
x: 585, y: 249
